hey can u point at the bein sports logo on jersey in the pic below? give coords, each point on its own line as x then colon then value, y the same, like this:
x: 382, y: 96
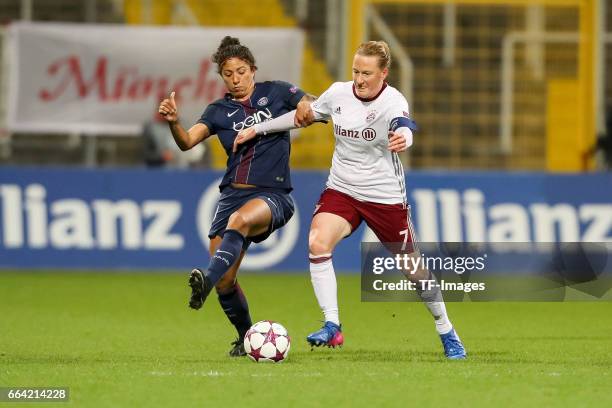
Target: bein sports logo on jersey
x: 257, y: 117
x: 368, y: 134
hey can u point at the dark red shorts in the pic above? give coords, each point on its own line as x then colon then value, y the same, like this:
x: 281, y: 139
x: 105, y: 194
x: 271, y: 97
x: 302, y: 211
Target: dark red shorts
x: 390, y: 222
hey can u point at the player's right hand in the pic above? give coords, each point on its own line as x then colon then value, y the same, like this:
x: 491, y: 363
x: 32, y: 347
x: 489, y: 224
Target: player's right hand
x: 168, y: 109
x: 244, y: 136
x: 304, y: 116
x: 397, y: 142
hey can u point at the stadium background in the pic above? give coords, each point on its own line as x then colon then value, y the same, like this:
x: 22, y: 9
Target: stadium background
x: 511, y: 98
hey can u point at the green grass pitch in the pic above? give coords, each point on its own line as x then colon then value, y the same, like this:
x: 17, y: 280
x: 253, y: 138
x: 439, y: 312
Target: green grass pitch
x: 129, y: 340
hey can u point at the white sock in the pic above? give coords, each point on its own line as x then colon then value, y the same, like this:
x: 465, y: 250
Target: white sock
x: 324, y: 284
x: 438, y: 311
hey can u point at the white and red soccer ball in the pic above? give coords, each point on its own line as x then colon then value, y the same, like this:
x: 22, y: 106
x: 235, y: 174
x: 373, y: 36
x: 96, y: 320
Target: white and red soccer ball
x: 267, y: 341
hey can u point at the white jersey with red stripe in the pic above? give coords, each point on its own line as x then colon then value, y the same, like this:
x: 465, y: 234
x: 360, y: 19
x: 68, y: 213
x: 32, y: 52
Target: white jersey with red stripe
x: 362, y: 166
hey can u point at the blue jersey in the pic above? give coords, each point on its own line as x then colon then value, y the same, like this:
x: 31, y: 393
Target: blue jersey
x: 264, y: 160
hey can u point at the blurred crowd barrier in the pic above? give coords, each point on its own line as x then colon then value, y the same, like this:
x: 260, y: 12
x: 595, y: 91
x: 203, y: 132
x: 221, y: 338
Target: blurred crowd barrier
x: 493, y: 84
x: 499, y: 84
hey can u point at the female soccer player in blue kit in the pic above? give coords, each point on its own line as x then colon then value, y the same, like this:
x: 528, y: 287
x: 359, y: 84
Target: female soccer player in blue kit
x: 255, y: 189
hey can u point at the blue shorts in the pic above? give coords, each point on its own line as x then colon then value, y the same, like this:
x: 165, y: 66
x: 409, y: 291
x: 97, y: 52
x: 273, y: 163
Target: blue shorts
x: 281, y: 205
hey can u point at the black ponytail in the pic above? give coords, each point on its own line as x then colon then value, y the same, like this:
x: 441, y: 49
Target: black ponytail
x: 230, y: 47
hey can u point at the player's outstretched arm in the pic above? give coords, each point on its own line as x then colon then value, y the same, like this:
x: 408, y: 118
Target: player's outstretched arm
x: 281, y: 123
x: 185, y: 140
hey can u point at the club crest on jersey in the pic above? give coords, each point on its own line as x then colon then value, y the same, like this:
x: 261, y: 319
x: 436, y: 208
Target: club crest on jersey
x: 368, y: 134
x: 371, y: 116
x: 262, y: 101
x: 337, y: 111
x: 293, y: 89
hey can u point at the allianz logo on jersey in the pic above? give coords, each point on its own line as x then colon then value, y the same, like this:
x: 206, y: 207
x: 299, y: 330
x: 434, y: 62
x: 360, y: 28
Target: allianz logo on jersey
x: 257, y: 117
x: 368, y: 134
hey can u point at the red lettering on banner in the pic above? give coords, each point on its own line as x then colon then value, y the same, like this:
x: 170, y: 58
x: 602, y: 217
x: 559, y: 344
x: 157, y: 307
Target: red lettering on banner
x: 141, y: 88
x: 201, y: 81
x: 163, y: 88
x: 180, y: 85
x: 120, y: 81
x: 125, y: 83
x: 73, y: 73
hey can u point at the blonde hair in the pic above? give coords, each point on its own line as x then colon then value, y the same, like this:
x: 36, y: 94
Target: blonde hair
x: 379, y: 49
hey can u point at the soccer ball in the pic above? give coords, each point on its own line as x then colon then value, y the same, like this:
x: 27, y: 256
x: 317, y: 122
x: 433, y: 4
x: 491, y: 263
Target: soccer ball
x: 267, y: 341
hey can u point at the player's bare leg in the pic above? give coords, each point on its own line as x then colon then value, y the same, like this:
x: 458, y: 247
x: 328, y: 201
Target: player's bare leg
x: 252, y: 219
x: 326, y: 231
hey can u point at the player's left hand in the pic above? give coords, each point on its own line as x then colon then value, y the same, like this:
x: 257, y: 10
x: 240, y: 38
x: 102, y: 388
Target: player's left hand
x: 397, y: 142
x: 304, y: 116
x: 168, y: 108
x: 243, y: 136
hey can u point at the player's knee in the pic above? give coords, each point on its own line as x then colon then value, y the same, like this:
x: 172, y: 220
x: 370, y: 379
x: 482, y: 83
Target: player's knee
x: 238, y: 221
x: 319, y: 247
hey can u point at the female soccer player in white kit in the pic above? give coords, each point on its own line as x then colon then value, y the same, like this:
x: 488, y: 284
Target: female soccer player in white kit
x: 366, y: 182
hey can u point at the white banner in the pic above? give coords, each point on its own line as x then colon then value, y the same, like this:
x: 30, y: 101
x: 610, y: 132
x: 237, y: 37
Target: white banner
x: 107, y: 79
